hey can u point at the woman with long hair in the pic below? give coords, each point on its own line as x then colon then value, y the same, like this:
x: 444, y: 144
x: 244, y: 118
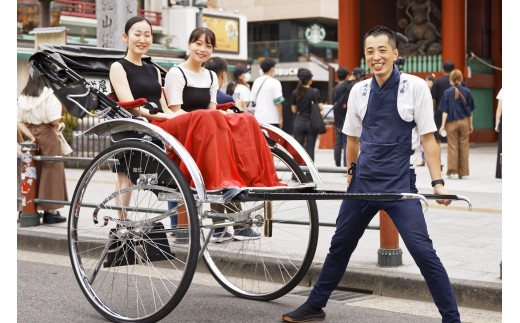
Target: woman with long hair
x: 39, y: 114
x: 457, y: 107
x: 301, y: 103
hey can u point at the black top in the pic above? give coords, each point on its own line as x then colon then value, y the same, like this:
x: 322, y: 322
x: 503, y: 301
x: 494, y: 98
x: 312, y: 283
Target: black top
x: 195, y: 98
x: 340, y: 95
x: 143, y: 81
x: 304, y: 105
x: 439, y: 86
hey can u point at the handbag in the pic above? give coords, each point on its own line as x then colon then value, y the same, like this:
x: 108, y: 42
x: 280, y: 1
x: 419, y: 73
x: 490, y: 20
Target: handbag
x: 64, y: 145
x: 316, y: 120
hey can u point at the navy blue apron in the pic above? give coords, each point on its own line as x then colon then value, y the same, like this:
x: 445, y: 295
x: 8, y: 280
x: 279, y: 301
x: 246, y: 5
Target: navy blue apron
x: 383, y: 165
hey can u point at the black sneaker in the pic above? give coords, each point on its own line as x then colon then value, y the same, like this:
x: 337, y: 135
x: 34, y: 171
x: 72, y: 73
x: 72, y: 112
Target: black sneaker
x: 304, y: 313
x: 50, y: 218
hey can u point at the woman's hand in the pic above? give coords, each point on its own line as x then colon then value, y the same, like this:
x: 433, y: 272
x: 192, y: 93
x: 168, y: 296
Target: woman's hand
x: 441, y: 129
x: 228, y: 111
x: 179, y: 113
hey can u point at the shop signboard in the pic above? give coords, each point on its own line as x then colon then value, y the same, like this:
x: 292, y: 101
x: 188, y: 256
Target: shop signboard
x: 226, y: 31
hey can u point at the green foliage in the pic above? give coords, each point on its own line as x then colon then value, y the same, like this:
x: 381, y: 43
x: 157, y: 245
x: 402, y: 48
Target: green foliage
x: 71, y: 124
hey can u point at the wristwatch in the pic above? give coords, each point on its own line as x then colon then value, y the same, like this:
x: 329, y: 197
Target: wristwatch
x: 437, y: 181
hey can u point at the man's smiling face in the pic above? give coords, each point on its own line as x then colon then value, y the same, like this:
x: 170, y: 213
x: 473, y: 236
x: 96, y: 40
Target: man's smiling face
x: 380, y: 57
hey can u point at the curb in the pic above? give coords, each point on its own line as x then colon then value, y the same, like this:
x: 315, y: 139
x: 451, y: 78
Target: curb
x: 468, y: 293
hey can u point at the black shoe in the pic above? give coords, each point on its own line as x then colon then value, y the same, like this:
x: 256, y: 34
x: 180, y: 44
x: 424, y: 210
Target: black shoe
x: 304, y: 313
x: 53, y: 218
x: 120, y: 252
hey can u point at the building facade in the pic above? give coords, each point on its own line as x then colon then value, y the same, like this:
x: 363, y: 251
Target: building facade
x: 331, y: 31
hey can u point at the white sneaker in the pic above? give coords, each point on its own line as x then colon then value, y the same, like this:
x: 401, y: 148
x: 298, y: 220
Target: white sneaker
x: 452, y: 176
x: 463, y: 177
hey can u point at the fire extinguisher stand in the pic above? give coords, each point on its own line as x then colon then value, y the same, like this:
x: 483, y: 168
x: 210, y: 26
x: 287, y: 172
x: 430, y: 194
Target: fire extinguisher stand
x: 29, y: 216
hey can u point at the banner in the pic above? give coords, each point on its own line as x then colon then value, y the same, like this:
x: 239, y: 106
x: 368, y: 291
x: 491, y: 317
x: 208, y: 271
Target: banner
x: 226, y: 31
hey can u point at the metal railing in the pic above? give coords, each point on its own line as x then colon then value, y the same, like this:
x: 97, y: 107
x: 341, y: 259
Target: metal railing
x: 292, y: 50
x: 417, y: 64
x: 88, y: 10
x: 85, y: 160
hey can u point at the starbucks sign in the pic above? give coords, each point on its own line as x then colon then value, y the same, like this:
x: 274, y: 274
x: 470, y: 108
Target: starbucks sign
x: 315, y: 33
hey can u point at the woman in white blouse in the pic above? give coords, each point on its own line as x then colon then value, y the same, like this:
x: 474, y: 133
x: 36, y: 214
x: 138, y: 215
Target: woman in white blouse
x: 39, y: 114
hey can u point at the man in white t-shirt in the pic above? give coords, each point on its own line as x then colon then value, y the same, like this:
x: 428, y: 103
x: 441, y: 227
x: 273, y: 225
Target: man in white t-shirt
x: 386, y: 115
x: 267, y: 97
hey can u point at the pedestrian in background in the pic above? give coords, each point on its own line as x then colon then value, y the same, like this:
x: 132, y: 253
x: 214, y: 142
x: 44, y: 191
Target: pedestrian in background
x: 266, y: 96
x: 220, y: 67
x: 241, y: 87
x: 498, y: 128
x: 39, y: 114
x: 302, y: 99
x: 440, y: 85
x: 340, y: 95
x: 457, y: 107
x: 429, y: 78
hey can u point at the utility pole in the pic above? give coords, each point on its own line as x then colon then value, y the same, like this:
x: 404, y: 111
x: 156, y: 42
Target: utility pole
x: 45, y: 13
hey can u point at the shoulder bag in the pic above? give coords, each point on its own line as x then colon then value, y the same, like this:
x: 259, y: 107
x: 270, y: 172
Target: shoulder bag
x: 316, y: 120
x: 252, y: 104
x: 64, y: 145
x: 466, y: 107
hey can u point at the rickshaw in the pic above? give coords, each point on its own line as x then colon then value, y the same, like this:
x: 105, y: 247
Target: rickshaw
x: 130, y: 263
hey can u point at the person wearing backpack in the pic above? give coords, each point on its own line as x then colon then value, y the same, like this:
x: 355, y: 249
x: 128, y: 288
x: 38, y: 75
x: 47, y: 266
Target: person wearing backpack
x: 457, y: 107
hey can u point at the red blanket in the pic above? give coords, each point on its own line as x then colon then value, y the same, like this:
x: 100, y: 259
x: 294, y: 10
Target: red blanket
x: 230, y: 150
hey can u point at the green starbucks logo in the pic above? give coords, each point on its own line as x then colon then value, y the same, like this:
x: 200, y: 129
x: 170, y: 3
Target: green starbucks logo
x: 315, y: 33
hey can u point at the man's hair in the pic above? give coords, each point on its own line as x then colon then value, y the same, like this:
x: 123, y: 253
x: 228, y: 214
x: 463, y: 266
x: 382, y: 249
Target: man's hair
x: 342, y: 73
x: 217, y: 65
x: 448, y: 66
x: 430, y: 77
x: 267, y: 64
x: 382, y: 30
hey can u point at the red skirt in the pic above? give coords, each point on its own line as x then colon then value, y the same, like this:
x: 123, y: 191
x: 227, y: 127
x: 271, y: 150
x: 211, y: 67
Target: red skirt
x: 229, y: 149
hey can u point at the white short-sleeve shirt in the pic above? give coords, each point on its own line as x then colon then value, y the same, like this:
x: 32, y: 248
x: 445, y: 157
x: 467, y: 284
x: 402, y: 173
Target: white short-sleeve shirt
x: 174, y: 84
x: 244, y: 92
x: 414, y: 103
x: 41, y: 109
x: 266, y: 97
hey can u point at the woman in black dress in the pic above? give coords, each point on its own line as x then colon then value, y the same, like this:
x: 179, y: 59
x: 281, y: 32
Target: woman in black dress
x: 301, y: 102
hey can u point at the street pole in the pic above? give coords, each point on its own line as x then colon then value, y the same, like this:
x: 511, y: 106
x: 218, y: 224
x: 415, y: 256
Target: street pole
x: 389, y: 253
x: 199, y: 18
x: 45, y: 13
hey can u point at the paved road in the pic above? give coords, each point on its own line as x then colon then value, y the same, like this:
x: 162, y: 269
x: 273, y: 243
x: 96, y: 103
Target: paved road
x: 48, y: 292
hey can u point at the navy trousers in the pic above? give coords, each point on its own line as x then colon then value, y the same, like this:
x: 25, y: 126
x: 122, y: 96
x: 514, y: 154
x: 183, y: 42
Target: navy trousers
x: 354, y: 216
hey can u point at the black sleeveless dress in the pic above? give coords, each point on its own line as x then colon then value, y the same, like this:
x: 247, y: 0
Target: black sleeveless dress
x: 143, y: 81
x: 195, y: 98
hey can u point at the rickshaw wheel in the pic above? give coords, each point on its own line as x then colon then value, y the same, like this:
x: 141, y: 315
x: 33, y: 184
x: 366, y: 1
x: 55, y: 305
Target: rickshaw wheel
x: 267, y: 267
x: 124, y: 256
